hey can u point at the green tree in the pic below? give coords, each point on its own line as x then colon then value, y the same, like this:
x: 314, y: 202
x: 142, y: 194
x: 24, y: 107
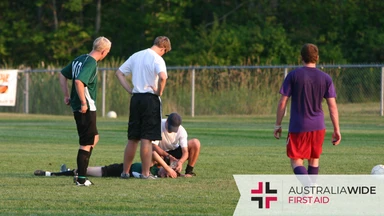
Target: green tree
x: 202, y: 32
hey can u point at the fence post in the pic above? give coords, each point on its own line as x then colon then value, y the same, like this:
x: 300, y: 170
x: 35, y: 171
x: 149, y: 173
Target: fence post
x: 26, y: 92
x: 103, y: 93
x: 382, y: 92
x: 285, y: 75
x: 193, y: 93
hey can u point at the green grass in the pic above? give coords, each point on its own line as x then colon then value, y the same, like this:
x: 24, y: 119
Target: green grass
x: 230, y: 145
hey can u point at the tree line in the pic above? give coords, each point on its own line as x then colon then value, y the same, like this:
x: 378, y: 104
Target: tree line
x: 202, y: 32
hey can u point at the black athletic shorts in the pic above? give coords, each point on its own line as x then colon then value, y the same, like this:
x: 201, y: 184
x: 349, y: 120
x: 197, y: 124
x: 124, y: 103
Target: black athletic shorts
x: 177, y: 153
x: 144, y: 117
x: 86, y: 127
x: 113, y: 170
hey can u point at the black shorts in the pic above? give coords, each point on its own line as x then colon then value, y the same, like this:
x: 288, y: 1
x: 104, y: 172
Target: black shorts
x: 177, y: 153
x: 144, y: 117
x: 113, y: 170
x: 86, y: 127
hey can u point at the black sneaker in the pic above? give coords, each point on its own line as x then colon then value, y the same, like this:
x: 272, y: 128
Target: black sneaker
x: 39, y: 173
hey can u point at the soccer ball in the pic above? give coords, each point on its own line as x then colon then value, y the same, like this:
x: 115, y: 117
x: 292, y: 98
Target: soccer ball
x: 111, y: 114
x: 378, y: 170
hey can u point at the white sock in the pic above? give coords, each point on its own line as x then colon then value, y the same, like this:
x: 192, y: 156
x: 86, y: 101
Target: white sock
x: 47, y: 173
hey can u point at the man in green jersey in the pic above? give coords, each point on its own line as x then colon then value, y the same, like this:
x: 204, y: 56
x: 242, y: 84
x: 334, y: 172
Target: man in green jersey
x: 83, y: 73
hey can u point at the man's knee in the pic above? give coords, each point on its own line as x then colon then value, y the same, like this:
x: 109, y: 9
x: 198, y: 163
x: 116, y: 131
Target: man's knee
x: 194, y: 143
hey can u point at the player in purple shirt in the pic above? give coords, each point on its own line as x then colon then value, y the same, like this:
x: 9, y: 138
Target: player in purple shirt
x: 307, y: 86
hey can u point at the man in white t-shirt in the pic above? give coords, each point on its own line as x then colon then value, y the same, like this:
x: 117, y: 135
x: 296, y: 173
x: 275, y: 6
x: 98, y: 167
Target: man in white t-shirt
x: 149, y: 76
x: 175, y: 145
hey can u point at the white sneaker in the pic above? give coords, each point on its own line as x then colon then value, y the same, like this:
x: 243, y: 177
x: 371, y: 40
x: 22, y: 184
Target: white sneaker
x: 148, y: 177
x: 124, y: 175
x: 86, y: 183
x: 136, y: 174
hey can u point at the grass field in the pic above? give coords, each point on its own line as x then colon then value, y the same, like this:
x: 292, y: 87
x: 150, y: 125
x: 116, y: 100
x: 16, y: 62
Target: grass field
x: 230, y: 145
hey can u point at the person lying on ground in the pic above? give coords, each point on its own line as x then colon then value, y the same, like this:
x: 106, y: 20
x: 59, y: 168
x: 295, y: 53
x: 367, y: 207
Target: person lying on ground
x: 159, y: 168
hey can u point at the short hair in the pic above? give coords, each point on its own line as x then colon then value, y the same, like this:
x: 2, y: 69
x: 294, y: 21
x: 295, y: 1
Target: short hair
x: 309, y: 53
x: 163, y: 42
x: 101, y: 43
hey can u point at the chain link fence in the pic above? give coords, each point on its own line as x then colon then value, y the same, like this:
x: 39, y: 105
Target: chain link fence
x: 211, y: 90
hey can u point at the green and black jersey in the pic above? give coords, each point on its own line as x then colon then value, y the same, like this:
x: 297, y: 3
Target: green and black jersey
x: 136, y: 167
x: 83, y: 68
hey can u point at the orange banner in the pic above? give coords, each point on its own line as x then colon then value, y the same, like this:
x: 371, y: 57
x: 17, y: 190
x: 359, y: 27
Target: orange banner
x: 8, y: 87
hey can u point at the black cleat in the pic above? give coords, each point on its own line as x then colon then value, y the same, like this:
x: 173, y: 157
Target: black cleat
x: 39, y: 173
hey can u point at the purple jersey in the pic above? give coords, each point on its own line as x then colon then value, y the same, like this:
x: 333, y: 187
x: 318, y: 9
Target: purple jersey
x: 307, y: 87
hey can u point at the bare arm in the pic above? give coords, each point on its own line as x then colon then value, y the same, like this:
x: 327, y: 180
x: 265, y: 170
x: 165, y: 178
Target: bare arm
x: 123, y: 81
x: 162, y: 163
x: 159, y: 150
x: 334, y: 114
x: 185, y: 155
x: 183, y: 158
x: 280, y: 115
x: 161, y: 83
x: 80, y: 92
x: 64, y: 88
x: 163, y: 153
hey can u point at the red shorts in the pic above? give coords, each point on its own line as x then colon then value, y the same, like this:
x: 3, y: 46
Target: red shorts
x: 305, y: 145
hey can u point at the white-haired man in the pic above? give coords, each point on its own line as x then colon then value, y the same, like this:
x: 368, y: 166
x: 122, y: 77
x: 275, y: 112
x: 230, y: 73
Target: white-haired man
x: 83, y: 73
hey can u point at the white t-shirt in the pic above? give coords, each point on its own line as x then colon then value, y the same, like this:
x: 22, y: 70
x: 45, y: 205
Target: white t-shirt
x: 144, y: 66
x: 171, y: 141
